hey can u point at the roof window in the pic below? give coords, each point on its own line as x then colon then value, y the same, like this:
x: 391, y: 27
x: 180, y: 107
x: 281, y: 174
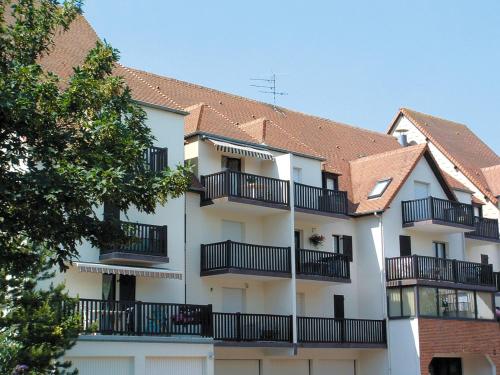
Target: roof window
x: 379, y: 188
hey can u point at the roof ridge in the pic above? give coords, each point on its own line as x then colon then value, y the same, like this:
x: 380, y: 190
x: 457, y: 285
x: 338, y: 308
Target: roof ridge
x: 423, y: 146
x: 327, y: 120
x: 433, y: 116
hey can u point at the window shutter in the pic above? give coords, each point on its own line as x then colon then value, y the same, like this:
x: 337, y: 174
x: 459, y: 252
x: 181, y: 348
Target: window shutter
x: 484, y: 259
x: 404, y: 246
x: 347, y: 246
x: 111, y: 212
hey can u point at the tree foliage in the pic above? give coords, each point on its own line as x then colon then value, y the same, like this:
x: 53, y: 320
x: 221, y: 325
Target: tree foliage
x: 65, y: 148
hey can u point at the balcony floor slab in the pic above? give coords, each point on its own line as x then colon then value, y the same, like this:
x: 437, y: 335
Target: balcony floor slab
x: 117, y: 257
x: 238, y: 274
x: 245, y: 206
x: 437, y: 226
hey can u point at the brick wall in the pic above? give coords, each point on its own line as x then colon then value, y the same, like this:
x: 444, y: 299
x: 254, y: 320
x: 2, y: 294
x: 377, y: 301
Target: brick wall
x: 457, y: 337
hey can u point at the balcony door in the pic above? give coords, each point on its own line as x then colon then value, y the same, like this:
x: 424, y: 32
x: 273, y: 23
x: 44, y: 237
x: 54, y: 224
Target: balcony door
x: 233, y: 300
x: 421, y: 190
x: 232, y: 230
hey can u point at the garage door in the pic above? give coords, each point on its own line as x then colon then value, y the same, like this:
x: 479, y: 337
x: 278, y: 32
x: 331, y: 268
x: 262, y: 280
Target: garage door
x: 288, y: 367
x: 174, y: 366
x: 103, y: 365
x: 330, y: 367
x: 236, y: 367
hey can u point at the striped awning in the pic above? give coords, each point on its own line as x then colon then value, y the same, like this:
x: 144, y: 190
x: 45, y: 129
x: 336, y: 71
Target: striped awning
x: 160, y: 273
x: 234, y: 148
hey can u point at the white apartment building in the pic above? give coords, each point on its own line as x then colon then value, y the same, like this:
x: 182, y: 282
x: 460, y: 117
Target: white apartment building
x: 304, y: 247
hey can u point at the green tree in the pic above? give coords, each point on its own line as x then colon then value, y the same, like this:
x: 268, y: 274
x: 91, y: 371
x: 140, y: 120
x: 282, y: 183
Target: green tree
x: 65, y: 147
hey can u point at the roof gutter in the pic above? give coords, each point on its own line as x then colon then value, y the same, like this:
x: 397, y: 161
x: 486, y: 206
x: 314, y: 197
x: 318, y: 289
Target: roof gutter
x: 204, y: 135
x: 368, y: 213
x: 161, y: 107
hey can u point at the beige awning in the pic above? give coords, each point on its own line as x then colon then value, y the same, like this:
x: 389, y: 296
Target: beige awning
x: 239, y: 149
x: 161, y: 273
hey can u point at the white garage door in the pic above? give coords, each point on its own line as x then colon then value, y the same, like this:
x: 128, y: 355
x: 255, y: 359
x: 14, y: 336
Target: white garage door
x: 333, y: 367
x: 287, y: 367
x: 174, y: 366
x: 103, y: 365
x: 236, y: 367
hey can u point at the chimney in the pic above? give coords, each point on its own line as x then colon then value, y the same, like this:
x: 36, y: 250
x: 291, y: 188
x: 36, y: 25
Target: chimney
x: 402, y: 137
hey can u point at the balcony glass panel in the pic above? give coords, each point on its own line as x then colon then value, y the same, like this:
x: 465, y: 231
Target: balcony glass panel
x: 427, y: 301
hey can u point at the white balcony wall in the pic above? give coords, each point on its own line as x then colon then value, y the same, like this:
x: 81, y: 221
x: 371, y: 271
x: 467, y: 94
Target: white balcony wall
x: 310, y: 170
x: 369, y: 261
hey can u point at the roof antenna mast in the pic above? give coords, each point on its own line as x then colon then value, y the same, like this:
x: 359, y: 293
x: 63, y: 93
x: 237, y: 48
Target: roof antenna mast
x: 269, y: 86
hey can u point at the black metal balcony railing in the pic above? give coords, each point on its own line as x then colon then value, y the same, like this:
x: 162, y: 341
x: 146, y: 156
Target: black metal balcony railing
x: 437, y: 209
x: 242, y: 256
x: 439, y: 269
x: 338, y: 331
x: 156, y: 159
x: 496, y: 275
x: 252, y: 327
x: 319, y: 199
x: 322, y: 263
x: 485, y: 228
x: 109, y: 317
x: 144, y: 318
x: 247, y: 186
x: 143, y: 239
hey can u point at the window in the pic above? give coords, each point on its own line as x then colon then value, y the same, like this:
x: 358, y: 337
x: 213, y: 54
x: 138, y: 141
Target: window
x: 447, y: 303
x: 379, y: 188
x: 408, y: 300
x: 478, y: 210
x: 401, y: 302
x: 338, y: 306
x: 466, y: 304
x: 427, y: 301
x: 440, y: 250
x: 232, y: 164
x: 330, y: 181
x: 394, y: 302
x: 404, y: 246
x: 297, y: 175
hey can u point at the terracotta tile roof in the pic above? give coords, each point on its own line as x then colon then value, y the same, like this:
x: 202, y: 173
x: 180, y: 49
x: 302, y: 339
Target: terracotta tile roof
x: 277, y: 127
x: 492, y: 176
x: 395, y: 165
x: 232, y: 116
x: 454, y: 183
x: 469, y: 153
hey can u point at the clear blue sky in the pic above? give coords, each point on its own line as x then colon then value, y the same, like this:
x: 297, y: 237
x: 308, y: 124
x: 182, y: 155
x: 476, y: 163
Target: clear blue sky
x: 352, y: 61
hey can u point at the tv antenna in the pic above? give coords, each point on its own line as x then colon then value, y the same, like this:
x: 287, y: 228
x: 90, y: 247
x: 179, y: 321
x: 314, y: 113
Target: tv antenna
x: 269, y: 86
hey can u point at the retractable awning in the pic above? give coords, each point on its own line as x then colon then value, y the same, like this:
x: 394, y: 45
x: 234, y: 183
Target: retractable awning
x: 161, y: 273
x: 241, y: 149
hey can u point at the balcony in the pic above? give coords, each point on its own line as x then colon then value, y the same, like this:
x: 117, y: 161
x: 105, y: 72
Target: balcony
x: 437, y: 215
x: 496, y: 275
x: 229, y: 257
x: 238, y: 328
x: 319, y: 201
x: 331, y: 332
x: 322, y: 265
x: 146, y: 244
x: 251, y: 189
x: 439, y: 272
x: 143, y: 318
x: 485, y: 230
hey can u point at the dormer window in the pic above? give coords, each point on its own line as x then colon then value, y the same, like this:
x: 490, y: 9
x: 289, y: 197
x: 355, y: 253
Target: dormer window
x: 379, y: 188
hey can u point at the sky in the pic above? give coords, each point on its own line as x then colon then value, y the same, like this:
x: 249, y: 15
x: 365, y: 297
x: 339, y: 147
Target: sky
x: 355, y: 62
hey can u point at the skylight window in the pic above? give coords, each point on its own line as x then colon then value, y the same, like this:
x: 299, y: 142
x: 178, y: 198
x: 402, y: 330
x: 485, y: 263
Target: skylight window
x: 379, y: 188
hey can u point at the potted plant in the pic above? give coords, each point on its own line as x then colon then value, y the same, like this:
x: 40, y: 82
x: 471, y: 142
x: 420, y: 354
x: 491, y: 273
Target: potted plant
x: 317, y: 239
